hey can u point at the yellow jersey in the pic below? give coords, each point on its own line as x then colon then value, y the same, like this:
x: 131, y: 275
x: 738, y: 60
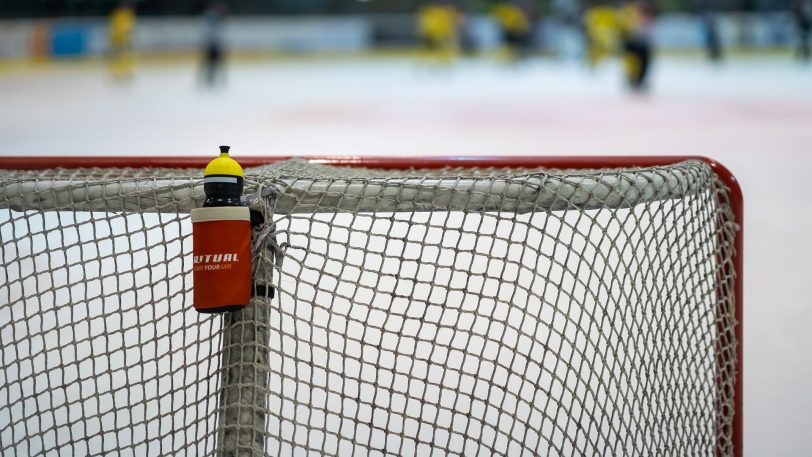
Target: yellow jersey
x: 511, y: 18
x: 122, y: 23
x: 437, y: 22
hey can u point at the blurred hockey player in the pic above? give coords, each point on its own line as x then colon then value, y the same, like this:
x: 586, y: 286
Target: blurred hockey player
x: 634, y: 25
x: 122, y: 25
x: 710, y: 32
x: 516, y: 29
x: 802, y: 10
x: 438, y: 28
x: 213, y: 49
x: 600, y: 30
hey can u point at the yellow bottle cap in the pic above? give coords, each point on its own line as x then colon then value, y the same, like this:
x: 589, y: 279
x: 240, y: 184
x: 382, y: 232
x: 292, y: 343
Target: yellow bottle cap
x: 223, y: 165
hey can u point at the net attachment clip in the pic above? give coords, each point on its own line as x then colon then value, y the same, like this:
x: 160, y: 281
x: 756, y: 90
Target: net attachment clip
x: 264, y: 238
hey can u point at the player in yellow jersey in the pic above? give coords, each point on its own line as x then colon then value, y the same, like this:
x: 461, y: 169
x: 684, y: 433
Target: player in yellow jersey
x: 600, y: 25
x: 438, y: 28
x: 122, y: 24
x: 515, y: 25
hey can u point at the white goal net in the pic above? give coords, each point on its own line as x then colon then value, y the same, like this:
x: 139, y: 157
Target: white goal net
x: 456, y: 311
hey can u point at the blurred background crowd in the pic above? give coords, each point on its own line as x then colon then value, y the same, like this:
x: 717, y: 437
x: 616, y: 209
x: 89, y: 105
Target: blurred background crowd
x: 441, y: 31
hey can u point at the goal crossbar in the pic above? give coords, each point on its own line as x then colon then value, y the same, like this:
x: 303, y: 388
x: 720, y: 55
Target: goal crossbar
x: 539, y: 191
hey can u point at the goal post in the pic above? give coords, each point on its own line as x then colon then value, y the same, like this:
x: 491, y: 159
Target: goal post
x: 449, y: 305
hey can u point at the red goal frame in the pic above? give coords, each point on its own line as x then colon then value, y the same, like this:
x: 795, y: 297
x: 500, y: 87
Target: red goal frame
x: 571, y: 162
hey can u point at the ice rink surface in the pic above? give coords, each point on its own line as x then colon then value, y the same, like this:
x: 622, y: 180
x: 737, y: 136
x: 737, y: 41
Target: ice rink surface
x: 753, y: 114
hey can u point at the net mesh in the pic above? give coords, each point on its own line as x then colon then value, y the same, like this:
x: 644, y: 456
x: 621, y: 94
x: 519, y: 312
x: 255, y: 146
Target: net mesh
x: 430, y: 312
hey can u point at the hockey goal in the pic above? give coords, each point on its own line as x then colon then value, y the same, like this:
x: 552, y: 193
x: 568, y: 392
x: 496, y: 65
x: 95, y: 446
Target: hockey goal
x: 445, y: 306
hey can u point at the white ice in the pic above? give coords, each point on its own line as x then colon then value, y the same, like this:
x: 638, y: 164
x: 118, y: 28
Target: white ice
x: 754, y: 114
